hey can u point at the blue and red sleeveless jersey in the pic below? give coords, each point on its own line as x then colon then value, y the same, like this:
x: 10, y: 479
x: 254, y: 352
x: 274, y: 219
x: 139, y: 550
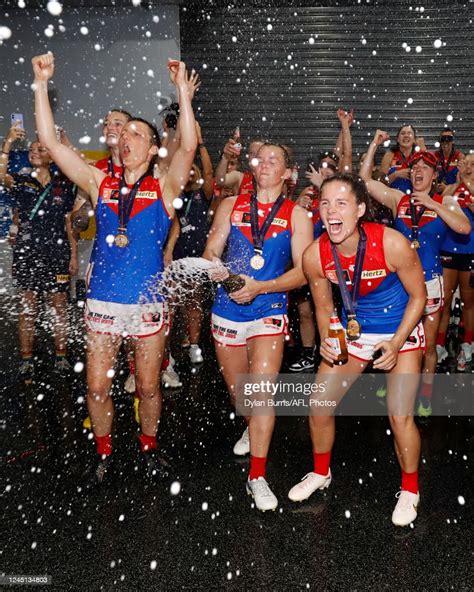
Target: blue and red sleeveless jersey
x: 432, y: 231
x: 461, y: 243
x: 447, y: 166
x: 247, y: 184
x: 382, y: 297
x: 399, y: 161
x: 124, y: 275
x: 103, y: 165
x: 276, y: 252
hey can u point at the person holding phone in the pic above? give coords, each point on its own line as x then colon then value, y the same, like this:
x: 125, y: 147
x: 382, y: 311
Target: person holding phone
x: 381, y: 283
x: 43, y: 200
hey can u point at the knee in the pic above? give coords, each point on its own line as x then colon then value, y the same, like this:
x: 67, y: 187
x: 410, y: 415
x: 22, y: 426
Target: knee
x: 97, y: 392
x: 400, y: 423
x: 148, y: 389
x: 320, y: 422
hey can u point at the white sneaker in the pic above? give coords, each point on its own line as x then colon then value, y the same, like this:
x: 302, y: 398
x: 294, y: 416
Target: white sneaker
x: 242, y: 446
x: 467, y: 348
x: 308, y: 485
x: 130, y: 383
x: 405, y: 511
x: 262, y: 494
x: 195, y: 354
x: 441, y: 352
x: 170, y: 378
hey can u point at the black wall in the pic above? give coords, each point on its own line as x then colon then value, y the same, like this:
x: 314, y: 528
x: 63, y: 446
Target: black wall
x: 357, y: 61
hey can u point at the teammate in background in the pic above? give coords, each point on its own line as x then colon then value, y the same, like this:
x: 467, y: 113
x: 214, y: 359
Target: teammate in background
x: 188, y: 236
x: 395, y: 161
x: 329, y: 163
x: 380, y: 315
x: 263, y: 232
x: 448, y: 157
x: 133, y: 216
x: 457, y: 259
x: 424, y: 217
x: 42, y: 200
x: 240, y: 182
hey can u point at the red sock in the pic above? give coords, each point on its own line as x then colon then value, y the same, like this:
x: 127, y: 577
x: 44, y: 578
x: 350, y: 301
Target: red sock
x: 103, y: 444
x: 467, y: 336
x: 147, y: 442
x: 321, y: 461
x: 257, y: 467
x: 26, y: 355
x: 410, y: 481
x: 441, y: 339
x: 426, y: 390
x: 165, y: 363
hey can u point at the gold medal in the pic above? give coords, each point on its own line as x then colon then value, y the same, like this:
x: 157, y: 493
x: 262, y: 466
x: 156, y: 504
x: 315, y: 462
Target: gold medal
x: 415, y: 244
x: 121, y: 240
x: 353, y: 329
x: 257, y: 262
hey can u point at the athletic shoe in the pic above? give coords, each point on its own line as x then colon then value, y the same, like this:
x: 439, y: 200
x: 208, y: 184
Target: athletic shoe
x: 242, y: 446
x: 467, y: 349
x: 405, y: 511
x: 87, y: 424
x: 442, y: 353
x: 26, y: 371
x: 303, y: 364
x: 94, y: 475
x: 195, y: 354
x: 130, y: 385
x: 461, y: 361
x: 424, y: 407
x: 308, y: 485
x: 170, y: 378
x: 156, y: 465
x: 381, y: 392
x: 62, y: 367
x: 263, y: 496
x: 136, y: 404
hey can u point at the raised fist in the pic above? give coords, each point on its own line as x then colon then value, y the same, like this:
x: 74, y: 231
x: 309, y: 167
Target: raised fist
x: 43, y: 66
x: 380, y: 137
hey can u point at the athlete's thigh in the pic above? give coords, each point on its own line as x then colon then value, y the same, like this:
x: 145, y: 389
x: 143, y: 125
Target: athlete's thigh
x: 102, y: 353
x: 451, y: 280
x: 265, y: 354
x: 232, y: 360
x: 149, y: 355
x: 466, y: 290
x: 402, y: 383
x: 336, y: 380
x: 431, y: 325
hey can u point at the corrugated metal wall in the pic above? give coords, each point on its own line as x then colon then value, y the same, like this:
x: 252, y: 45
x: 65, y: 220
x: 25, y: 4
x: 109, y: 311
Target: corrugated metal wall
x: 282, y: 71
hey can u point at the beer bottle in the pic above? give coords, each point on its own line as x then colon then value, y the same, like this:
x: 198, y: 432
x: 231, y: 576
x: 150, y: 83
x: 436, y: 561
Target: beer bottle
x: 337, y: 336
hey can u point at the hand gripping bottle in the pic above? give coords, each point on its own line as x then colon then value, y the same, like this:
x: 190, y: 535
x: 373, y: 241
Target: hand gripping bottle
x: 337, y: 336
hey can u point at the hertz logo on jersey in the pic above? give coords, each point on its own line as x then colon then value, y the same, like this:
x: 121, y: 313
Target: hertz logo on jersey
x: 373, y: 273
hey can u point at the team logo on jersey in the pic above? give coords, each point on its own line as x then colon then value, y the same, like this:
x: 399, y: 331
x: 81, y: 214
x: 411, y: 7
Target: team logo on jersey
x: 280, y: 222
x: 405, y: 212
x: 277, y: 305
x: 240, y: 218
x: 151, y: 317
x: 147, y: 195
x: 273, y: 322
x: 110, y: 195
x: 332, y: 276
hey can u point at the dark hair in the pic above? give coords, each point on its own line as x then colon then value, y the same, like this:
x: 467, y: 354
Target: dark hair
x: 122, y: 111
x: 446, y: 130
x: 327, y: 154
x: 155, y: 139
x: 287, y: 152
x: 357, y: 187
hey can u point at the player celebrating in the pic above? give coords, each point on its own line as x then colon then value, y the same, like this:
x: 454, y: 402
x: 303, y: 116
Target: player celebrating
x: 381, y: 283
x: 133, y: 216
x: 262, y: 231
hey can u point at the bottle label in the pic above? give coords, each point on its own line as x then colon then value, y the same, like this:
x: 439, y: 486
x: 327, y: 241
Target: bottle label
x: 335, y: 344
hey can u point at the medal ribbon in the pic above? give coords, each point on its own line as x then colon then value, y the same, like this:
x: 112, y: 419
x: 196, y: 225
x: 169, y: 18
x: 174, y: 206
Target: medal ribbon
x: 41, y: 199
x: 350, y: 299
x: 258, y: 234
x: 415, y: 219
x: 126, y: 200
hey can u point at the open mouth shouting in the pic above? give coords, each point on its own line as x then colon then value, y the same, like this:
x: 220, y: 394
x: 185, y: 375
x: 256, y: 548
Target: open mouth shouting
x: 335, y: 227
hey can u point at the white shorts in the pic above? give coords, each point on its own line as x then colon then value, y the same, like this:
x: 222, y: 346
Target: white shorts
x: 363, y: 348
x: 236, y: 333
x: 127, y: 320
x: 435, y: 295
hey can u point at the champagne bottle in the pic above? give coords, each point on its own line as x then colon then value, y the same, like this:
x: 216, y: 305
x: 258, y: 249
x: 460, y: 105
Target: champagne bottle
x: 233, y: 283
x: 337, y: 336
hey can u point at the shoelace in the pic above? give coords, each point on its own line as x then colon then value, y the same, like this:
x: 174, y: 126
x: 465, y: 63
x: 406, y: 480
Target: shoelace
x: 262, y: 489
x: 405, y: 501
x: 306, y: 482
